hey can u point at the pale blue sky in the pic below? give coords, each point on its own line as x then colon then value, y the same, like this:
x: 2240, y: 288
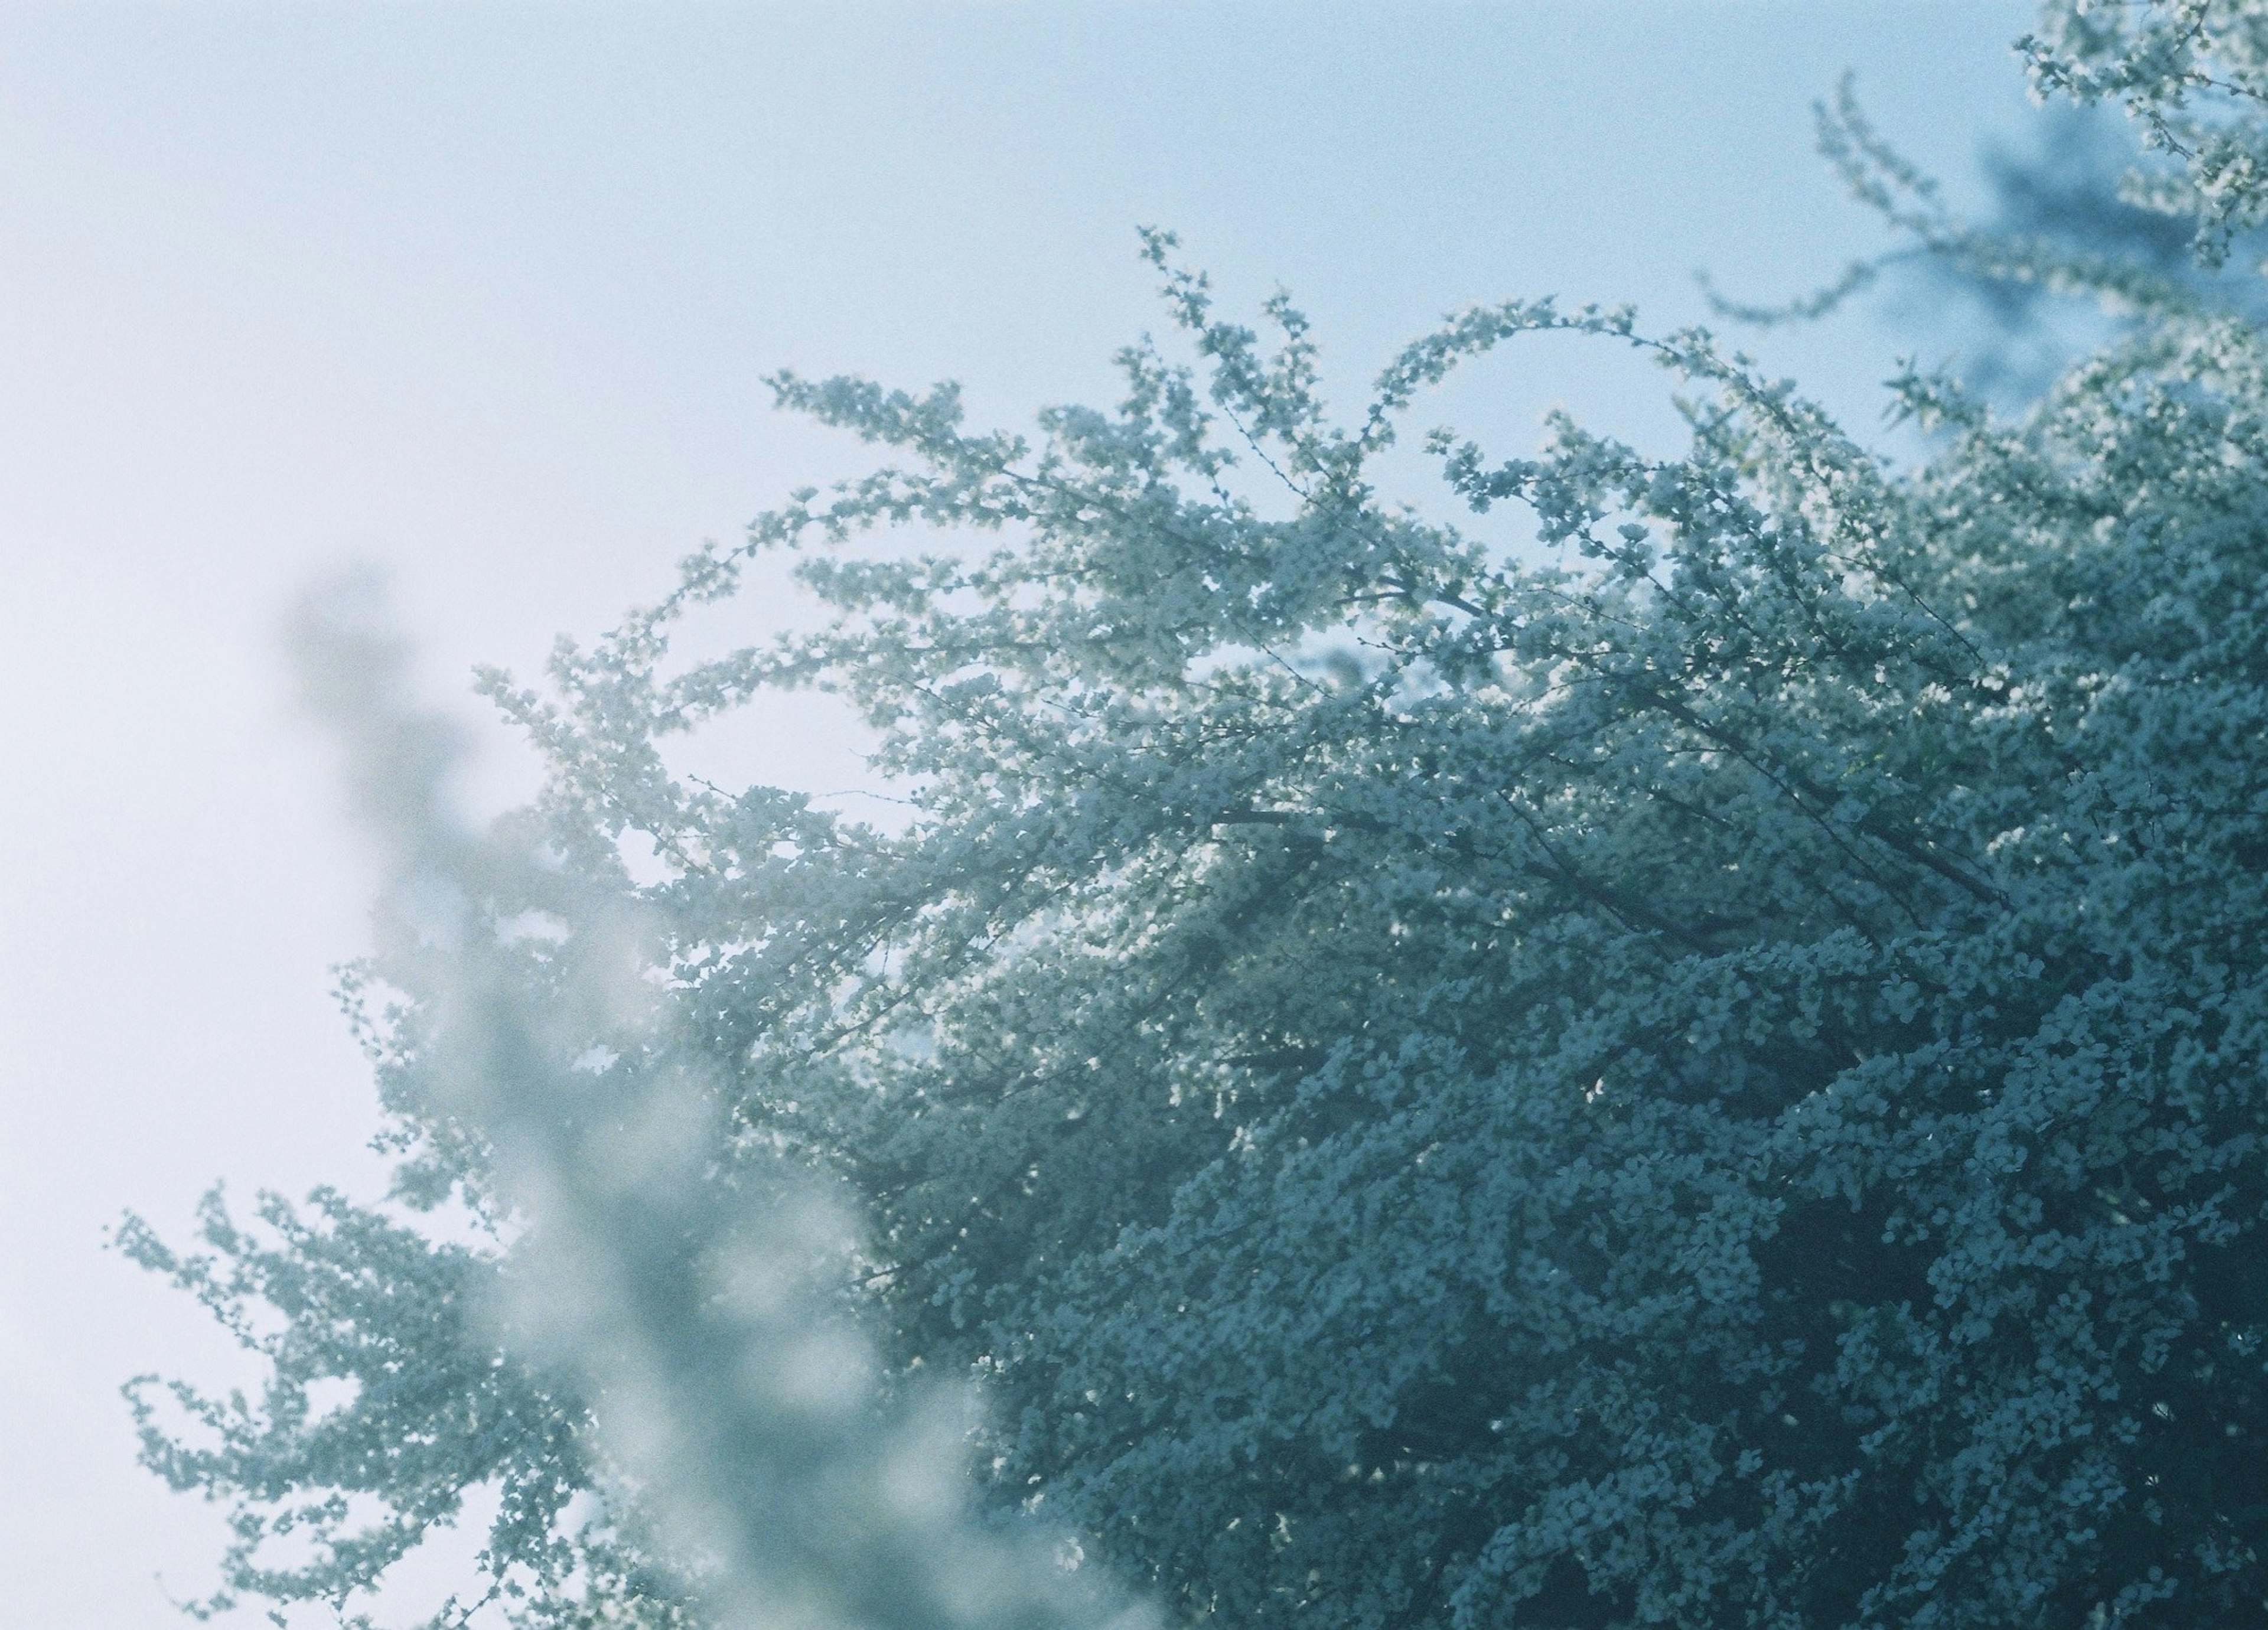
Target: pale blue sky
x: 486, y: 293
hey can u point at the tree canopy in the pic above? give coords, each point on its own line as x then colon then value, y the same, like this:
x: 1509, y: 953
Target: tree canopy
x: 1703, y: 1061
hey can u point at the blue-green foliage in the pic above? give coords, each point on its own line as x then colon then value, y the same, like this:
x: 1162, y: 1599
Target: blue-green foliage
x: 1710, y: 1073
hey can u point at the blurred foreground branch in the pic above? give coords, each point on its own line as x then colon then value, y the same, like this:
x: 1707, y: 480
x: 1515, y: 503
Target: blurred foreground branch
x: 695, y: 1290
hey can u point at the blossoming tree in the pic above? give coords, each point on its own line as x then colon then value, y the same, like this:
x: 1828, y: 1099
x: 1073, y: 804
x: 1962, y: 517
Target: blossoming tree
x: 1709, y: 1071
